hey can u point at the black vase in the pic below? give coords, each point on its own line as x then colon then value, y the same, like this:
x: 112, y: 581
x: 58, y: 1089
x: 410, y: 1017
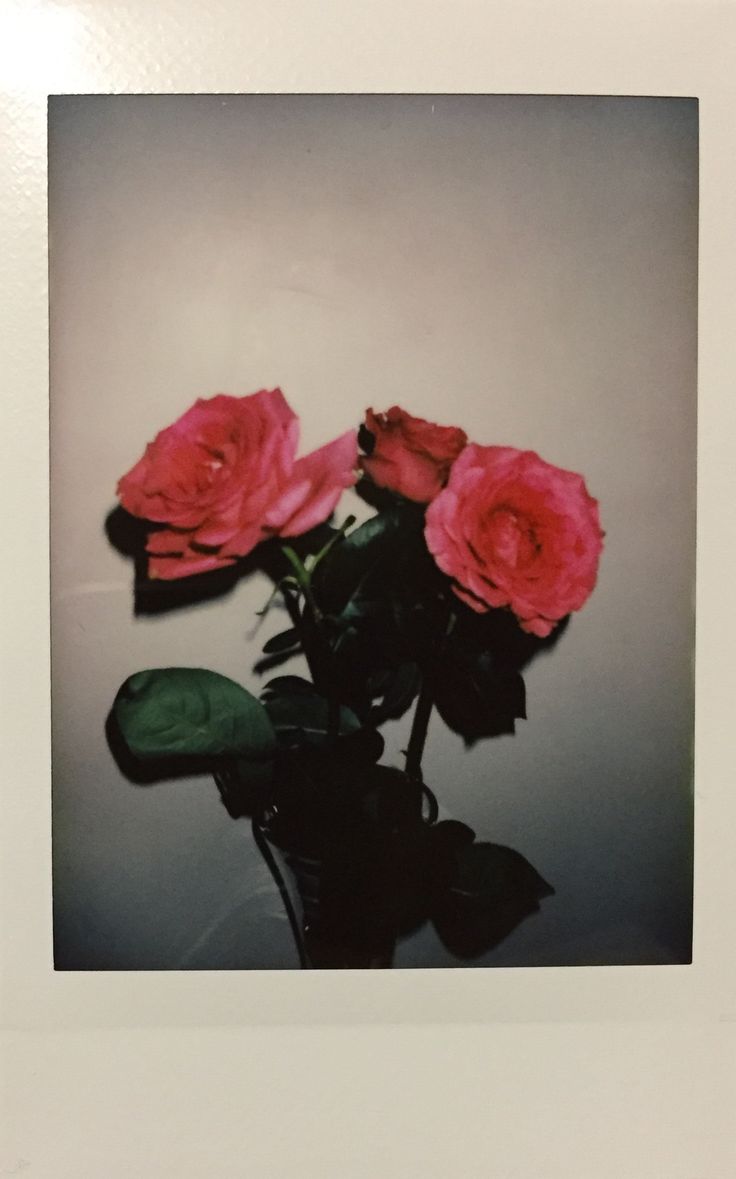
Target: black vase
x: 347, y: 859
x: 353, y: 878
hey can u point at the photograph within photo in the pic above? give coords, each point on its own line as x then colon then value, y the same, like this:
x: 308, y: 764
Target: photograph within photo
x: 373, y: 440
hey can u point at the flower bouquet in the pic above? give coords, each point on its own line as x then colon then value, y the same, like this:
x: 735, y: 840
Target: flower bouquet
x: 471, y: 562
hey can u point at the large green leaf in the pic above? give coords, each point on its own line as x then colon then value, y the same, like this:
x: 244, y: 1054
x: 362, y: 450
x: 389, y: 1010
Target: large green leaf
x: 192, y: 712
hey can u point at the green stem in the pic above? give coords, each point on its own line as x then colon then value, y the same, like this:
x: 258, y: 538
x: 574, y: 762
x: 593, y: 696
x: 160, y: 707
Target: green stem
x: 418, y: 735
x: 317, y: 650
x: 423, y: 712
x: 295, y: 616
x: 331, y: 543
x: 303, y: 581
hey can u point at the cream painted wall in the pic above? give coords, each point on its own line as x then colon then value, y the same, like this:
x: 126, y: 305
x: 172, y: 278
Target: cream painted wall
x: 523, y: 267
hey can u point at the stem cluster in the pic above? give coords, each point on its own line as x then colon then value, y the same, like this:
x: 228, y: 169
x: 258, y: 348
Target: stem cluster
x: 308, y: 620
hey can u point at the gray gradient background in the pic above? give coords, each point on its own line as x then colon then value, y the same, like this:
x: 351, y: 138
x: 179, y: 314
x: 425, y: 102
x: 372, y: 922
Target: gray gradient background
x: 523, y: 267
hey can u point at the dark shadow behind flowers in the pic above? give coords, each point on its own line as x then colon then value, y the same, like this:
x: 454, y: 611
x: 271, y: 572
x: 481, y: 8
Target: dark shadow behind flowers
x: 128, y: 534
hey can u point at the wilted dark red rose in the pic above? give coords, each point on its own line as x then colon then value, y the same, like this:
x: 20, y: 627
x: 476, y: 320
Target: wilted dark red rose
x: 408, y: 455
x: 512, y: 530
x: 224, y: 477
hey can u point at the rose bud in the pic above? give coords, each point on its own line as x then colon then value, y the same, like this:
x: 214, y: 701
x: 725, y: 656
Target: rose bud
x: 409, y: 455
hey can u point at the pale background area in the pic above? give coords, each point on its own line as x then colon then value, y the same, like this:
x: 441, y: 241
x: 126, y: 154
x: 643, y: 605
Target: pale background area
x: 523, y: 267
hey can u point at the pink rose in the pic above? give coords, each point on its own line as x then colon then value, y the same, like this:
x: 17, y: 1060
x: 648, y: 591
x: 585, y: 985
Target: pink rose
x: 224, y: 477
x: 513, y: 530
x: 410, y: 456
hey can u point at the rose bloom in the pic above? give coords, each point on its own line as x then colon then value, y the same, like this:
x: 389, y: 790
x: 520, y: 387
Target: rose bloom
x: 512, y: 530
x: 410, y: 456
x: 224, y: 477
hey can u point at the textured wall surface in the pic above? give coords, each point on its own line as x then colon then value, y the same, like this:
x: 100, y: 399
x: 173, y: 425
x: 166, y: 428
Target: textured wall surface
x: 523, y: 267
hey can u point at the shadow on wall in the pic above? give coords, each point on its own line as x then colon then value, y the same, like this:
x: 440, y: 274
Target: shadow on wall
x: 128, y: 535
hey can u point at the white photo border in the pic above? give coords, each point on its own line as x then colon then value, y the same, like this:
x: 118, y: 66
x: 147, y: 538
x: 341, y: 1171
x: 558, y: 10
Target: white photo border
x: 634, y: 47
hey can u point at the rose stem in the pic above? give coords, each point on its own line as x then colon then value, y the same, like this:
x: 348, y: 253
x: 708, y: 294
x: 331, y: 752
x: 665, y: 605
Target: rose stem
x: 418, y: 735
x: 422, y: 714
x: 320, y: 681
x: 304, y: 580
x: 297, y: 622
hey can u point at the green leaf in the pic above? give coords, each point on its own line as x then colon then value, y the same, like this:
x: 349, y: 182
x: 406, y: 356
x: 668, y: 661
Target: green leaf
x: 304, y: 719
x: 491, y: 891
x: 288, y: 685
x: 365, y: 565
x: 314, y: 559
x: 498, y: 632
x: 192, y: 712
x: 475, y: 695
x: 488, y: 873
x: 396, y: 687
x: 286, y: 640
